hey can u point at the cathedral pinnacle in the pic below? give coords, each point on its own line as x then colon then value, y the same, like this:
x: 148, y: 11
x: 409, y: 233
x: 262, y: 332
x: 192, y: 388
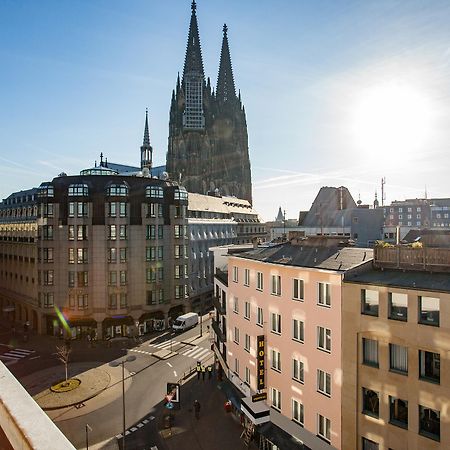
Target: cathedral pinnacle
x: 193, y: 63
x: 225, y: 82
x: 146, y: 132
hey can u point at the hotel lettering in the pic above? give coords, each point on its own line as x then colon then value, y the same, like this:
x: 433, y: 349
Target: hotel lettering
x: 260, y: 357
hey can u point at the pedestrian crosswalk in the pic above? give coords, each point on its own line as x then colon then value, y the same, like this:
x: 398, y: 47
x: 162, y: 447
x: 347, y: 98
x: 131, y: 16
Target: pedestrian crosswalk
x: 14, y: 355
x: 194, y: 352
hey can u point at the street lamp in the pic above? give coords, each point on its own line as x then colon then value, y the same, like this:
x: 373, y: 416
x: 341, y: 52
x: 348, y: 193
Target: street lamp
x: 116, y: 364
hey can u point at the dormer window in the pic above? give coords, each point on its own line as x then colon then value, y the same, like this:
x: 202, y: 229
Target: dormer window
x: 154, y: 192
x: 45, y: 190
x: 117, y: 190
x: 180, y: 193
x: 78, y: 190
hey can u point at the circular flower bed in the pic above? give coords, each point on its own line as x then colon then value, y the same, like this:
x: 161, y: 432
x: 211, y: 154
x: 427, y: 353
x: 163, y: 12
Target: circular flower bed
x: 66, y: 386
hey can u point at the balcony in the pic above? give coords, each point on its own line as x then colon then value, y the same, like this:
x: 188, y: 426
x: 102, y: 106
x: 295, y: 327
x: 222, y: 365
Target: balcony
x: 218, y: 305
x: 219, y: 333
x: 410, y: 258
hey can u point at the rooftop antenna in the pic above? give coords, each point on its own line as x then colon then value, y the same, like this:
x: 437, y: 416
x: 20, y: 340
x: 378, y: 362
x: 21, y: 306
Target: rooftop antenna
x: 383, y: 193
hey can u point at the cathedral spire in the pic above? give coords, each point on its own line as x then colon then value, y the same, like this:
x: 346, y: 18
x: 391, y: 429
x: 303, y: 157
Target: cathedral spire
x: 146, y: 132
x: 225, y: 82
x: 193, y: 63
x: 146, y: 148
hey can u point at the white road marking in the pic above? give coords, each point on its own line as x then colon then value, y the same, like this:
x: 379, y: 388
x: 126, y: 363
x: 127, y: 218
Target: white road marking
x: 170, y: 365
x: 175, y: 373
x: 35, y: 357
x: 157, y: 337
x: 133, y: 429
x: 140, y: 425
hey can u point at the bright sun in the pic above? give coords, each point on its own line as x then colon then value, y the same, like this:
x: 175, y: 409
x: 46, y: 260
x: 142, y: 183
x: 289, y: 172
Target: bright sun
x: 392, y: 121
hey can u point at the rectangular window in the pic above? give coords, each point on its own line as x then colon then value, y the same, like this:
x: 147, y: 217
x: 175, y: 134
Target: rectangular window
x: 429, y: 311
x: 123, y: 232
x: 112, y: 211
x: 259, y: 317
x: 324, y: 339
x: 275, y: 360
x: 323, y: 382
x: 48, y: 300
x: 112, y: 301
x: 122, y: 209
x: 398, y: 306
x: 112, y: 255
x: 371, y: 402
x: 398, y: 412
x: 324, y: 427
x: 367, y: 444
x: 150, y: 253
x: 398, y: 358
x: 152, y: 210
x: 71, y: 256
x: 150, y: 275
x: 276, y: 285
x: 82, y: 301
x: 429, y: 423
x: 112, y: 278
x: 247, y: 375
x: 71, y: 209
x: 297, y: 412
x: 275, y: 397
x: 298, y: 370
x: 275, y: 323
x: 298, y: 289
x: 151, y: 232
x: 71, y: 232
x: 123, y: 278
x: 82, y: 255
x: 259, y: 281
x: 246, y: 277
x: 48, y: 277
x: 324, y: 297
x: 247, y: 342
x: 178, y: 231
x: 112, y: 232
x: 160, y: 250
x: 369, y: 302
x: 236, y: 366
x: 429, y: 366
x: 82, y: 278
x: 47, y: 232
x: 370, y: 352
x: 235, y: 274
x: 82, y: 209
x: 48, y: 254
x: 236, y: 335
x: 247, y: 310
x: 123, y: 300
x: 123, y: 255
x: 235, y: 304
x: 82, y: 232
x: 298, y: 330
x: 71, y: 279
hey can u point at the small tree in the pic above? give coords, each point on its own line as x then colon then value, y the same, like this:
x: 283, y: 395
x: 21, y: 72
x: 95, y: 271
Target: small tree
x: 62, y: 354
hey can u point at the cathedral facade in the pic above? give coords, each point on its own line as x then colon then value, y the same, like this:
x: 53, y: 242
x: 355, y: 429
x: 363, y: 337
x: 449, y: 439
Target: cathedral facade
x: 208, y: 141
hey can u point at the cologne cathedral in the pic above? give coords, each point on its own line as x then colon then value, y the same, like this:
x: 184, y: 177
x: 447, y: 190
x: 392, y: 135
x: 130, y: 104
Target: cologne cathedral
x: 208, y: 142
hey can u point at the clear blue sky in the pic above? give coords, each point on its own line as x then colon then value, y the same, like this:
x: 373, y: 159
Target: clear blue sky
x: 323, y: 82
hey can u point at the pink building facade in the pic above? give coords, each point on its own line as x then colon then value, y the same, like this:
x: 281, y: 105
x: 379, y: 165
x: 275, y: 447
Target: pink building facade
x: 289, y: 296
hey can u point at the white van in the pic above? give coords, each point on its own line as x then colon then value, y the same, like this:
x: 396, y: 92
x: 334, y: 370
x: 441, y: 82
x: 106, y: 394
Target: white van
x: 186, y: 321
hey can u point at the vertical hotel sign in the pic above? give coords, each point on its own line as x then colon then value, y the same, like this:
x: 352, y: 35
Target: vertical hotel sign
x: 260, y: 357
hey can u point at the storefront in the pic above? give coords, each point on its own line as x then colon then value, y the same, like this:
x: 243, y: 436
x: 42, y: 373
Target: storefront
x: 118, y: 326
x: 152, y: 321
x: 81, y: 328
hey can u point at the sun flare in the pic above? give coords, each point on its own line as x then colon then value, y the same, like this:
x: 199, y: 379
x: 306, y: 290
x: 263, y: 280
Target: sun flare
x: 392, y: 120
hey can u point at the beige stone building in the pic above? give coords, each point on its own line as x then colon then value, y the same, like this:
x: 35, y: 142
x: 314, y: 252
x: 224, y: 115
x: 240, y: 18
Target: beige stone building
x: 100, y: 253
x: 395, y: 351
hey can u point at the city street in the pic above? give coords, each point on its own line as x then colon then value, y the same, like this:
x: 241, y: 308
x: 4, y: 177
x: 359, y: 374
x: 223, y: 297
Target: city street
x: 165, y: 357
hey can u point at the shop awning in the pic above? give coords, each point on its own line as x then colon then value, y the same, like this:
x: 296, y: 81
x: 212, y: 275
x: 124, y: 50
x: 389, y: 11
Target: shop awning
x: 231, y: 393
x: 257, y: 412
x: 280, y: 438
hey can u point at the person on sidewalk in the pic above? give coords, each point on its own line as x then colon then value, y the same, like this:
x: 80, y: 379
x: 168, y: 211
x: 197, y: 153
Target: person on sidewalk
x: 197, y: 409
x: 203, y: 372
x: 199, y: 369
x: 209, y: 372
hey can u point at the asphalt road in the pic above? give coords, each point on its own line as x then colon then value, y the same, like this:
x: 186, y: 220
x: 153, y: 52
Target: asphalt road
x: 147, y: 390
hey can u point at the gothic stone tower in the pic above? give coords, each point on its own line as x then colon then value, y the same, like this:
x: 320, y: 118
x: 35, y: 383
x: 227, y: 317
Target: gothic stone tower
x: 208, y: 141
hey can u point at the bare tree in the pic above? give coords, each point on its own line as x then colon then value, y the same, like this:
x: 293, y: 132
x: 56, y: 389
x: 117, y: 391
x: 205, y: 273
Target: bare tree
x: 62, y: 354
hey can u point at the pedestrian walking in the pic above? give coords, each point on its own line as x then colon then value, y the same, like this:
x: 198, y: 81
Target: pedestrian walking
x: 209, y: 372
x: 199, y: 369
x: 203, y: 372
x: 197, y: 409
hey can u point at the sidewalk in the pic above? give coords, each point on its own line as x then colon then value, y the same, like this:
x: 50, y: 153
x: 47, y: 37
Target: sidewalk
x: 215, y: 429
